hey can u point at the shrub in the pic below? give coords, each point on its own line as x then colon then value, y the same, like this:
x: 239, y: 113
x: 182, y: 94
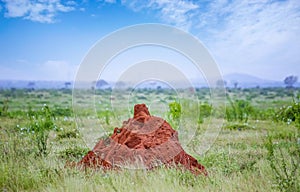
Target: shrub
x: 290, y: 113
x: 175, y: 110
x: 174, y: 114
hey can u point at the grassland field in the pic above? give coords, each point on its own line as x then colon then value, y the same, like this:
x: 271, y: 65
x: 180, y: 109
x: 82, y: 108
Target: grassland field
x: 256, y: 149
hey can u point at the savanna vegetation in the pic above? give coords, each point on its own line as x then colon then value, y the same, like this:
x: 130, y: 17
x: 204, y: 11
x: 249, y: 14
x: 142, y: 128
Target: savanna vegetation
x: 257, y: 149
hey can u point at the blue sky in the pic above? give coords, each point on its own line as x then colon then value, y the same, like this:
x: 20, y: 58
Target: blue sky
x: 47, y: 39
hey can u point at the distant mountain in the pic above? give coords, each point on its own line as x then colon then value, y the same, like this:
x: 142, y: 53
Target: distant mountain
x: 246, y: 80
x: 243, y: 78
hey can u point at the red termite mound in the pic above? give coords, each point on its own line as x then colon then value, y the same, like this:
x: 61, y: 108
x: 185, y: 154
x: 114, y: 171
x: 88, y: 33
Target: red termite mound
x: 143, y: 140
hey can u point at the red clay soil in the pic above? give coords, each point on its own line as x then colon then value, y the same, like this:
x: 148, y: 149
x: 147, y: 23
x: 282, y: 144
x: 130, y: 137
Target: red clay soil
x: 143, y: 140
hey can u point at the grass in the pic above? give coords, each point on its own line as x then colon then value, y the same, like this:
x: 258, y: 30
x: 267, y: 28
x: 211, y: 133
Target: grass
x: 239, y: 159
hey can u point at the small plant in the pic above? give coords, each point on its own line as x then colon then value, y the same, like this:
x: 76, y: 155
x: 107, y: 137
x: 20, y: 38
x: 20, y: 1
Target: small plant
x: 39, y: 126
x: 106, y: 115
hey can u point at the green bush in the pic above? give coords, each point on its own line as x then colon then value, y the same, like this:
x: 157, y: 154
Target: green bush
x: 175, y: 110
x: 290, y: 113
x: 174, y: 114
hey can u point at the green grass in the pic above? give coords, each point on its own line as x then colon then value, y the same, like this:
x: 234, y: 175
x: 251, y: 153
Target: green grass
x: 238, y: 160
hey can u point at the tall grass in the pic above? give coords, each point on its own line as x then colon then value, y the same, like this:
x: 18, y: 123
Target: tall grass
x: 284, y: 159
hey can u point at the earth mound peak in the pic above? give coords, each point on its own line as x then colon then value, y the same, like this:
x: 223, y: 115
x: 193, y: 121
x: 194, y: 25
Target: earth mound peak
x: 143, y: 140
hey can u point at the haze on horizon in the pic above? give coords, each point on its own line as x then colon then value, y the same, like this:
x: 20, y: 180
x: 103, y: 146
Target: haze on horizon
x: 47, y: 40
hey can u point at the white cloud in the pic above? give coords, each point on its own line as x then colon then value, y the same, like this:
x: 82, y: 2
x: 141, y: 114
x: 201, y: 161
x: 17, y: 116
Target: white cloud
x: 110, y: 1
x: 71, y: 3
x: 176, y: 12
x: 257, y: 36
x: 260, y: 37
x: 43, y: 11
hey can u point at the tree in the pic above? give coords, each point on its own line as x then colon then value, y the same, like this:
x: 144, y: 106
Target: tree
x: 31, y: 85
x: 221, y: 83
x: 290, y: 81
x: 67, y: 84
x: 235, y: 84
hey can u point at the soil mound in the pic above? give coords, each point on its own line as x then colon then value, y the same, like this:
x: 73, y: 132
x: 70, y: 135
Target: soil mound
x: 145, y: 141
